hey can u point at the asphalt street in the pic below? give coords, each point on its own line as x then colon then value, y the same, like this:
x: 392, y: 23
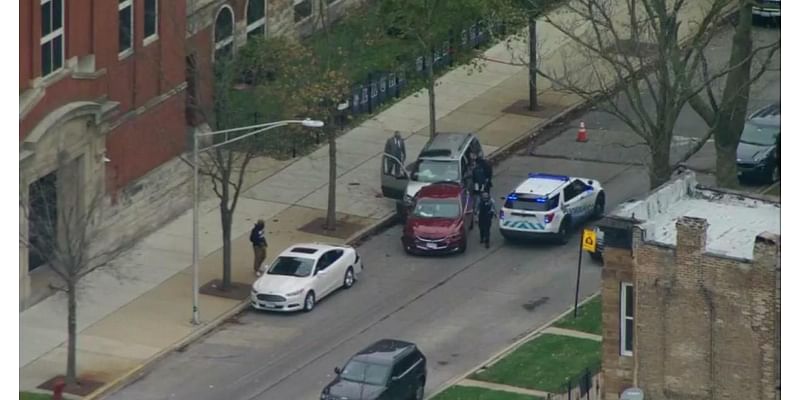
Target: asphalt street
x: 459, y: 309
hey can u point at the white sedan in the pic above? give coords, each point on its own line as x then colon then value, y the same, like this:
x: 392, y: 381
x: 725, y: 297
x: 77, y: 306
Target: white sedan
x: 303, y: 274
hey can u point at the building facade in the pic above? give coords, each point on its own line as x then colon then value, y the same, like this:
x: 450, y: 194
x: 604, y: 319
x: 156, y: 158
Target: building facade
x: 690, y: 291
x: 102, y: 94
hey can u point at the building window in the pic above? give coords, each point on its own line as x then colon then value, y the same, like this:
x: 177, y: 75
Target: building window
x: 52, y: 41
x: 125, y: 10
x: 256, y: 18
x: 626, y: 319
x: 150, y: 20
x: 223, y: 33
x: 302, y: 9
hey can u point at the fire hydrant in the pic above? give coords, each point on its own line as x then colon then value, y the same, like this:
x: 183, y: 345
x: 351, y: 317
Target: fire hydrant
x: 58, y: 390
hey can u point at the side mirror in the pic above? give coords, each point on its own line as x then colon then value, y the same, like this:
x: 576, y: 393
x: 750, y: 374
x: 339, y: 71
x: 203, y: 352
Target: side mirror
x: 591, y: 182
x: 337, y: 370
x: 414, y: 176
x: 502, y: 197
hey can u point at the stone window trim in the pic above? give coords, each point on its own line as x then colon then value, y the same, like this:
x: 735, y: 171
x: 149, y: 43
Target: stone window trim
x: 121, y: 7
x: 255, y: 24
x: 150, y: 18
x: 222, y: 43
x: 53, y: 37
x: 626, y: 332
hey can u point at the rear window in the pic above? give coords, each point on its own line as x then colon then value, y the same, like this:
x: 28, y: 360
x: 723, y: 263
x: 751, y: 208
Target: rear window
x: 527, y: 203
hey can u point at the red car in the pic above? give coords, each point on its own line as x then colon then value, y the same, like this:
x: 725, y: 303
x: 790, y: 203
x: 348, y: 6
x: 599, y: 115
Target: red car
x: 438, y: 219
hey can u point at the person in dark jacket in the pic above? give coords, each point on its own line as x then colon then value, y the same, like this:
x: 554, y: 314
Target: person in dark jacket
x: 486, y: 212
x: 396, y: 147
x: 259, y: 240
x: 482, y: 175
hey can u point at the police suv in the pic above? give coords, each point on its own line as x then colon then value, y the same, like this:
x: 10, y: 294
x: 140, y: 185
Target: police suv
x: 550, y: 205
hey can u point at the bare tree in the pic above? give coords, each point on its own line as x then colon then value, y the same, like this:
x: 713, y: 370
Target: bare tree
x: 425, y: 22
x: 65, y: 230
x: 725, y: 115
x: 642, y: 58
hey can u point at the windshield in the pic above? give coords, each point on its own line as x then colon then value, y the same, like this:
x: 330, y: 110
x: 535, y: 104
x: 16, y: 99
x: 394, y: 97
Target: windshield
x: 291, y: 266
x: 429, y: 208
x: 437, y: 171
x: 362, y: 372
x: 759, y: 134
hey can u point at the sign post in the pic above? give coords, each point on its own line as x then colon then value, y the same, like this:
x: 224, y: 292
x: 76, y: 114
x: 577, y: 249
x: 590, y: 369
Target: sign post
x: 588, y: 243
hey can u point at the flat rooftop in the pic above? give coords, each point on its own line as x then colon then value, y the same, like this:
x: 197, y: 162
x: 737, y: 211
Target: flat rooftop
x: 734, y: 220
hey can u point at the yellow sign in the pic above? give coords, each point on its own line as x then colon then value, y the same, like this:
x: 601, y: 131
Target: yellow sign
x: 589, y: 241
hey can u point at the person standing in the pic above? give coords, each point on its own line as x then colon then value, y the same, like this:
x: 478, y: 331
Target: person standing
x: 259, y: 240
x: 482, y: 175
x: 486, y: 212
x: 396, y: 147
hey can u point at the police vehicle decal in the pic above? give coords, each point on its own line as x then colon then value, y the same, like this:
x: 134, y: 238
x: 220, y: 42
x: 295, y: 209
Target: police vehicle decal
x: 580, y: 211
x: 524, y: 225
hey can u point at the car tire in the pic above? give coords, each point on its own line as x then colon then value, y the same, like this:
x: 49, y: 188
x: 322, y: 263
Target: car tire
x: 349, y: 278
x: 774, y: 174
x: 419, y: 392
x: 309, y: 302
x: 463, y: 247
x: 599, y: 206
x: 562, y: 237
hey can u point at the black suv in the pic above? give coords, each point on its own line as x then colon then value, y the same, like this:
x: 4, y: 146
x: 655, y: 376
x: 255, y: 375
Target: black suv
x: 759, y: 153
x: 388, y: 369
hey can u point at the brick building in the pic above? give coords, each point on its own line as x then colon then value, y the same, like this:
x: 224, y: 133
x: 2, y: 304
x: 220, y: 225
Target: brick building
x: 691, y: 295
x: 105, y: 85
x: 101, y: 110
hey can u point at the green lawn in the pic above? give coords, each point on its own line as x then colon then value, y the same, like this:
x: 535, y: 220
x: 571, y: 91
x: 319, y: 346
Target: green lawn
x: 34, y: 396
x: 473, y: 393
x: 546, y: 363
x: 589, y: 318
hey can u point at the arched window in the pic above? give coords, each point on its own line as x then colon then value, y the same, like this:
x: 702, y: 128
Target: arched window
x: 223, y: 33
x: 256, y: 18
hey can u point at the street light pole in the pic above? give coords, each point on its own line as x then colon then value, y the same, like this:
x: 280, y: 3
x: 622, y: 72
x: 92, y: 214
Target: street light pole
x: 256, y: 129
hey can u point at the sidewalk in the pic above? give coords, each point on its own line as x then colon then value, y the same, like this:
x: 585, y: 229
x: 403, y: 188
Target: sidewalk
x: 138, y: 310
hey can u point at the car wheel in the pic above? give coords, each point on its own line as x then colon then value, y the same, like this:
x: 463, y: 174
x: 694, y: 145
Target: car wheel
x: 774, y: 175
x: 599, y: 206
x: 349, y: 278
x: 419, y: 393
x: 563, y: 232
x: 463, y: 247
x: 309, y: 302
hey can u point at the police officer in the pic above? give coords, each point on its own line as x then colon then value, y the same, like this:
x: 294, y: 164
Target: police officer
x: 486, y: 212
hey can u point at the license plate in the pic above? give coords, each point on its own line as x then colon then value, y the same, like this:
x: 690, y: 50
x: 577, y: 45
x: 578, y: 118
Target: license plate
x: 430, y: 245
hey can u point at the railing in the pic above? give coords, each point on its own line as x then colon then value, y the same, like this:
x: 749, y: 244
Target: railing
x: 586, y: 386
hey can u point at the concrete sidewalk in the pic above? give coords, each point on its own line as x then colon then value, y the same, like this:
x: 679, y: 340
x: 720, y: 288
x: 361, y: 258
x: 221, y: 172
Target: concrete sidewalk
x: 139, y: 309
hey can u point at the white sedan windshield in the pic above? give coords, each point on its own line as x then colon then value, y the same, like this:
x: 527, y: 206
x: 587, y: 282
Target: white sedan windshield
x: 292, y: 266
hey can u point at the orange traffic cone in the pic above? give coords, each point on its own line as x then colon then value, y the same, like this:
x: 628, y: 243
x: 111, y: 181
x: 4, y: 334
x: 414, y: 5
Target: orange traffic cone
x: 582, y: 136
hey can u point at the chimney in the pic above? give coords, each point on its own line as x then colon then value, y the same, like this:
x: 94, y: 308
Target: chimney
x: 691, y: 235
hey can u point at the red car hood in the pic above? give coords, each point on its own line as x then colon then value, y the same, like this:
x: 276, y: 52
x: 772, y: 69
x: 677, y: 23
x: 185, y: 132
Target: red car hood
x: 432, y: 226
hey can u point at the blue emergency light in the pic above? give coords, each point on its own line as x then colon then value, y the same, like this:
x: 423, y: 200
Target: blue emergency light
x: 548, y: 176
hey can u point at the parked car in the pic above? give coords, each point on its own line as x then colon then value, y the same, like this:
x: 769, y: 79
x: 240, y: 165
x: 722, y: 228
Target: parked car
x: 767, y: 8
x: 758, y: 154
x: 547, y: 205
x: 445, y: 158
x: 388, y: 369
x: 439, y: 218
x: 303, y: 274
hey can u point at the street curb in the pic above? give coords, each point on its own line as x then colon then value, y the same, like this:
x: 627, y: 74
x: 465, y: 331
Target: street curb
x: 209, y: 326
x: 510, y: 348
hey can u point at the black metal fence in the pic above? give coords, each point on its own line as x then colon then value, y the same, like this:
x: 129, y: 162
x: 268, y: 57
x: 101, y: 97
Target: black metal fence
x: 383, y: 86
x: 586, y: 386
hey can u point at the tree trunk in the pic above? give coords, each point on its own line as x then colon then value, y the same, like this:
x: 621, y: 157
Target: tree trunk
x: 330, y: 220
x: 431, y: 99
x: 533, y: 102
x: 227, y: 221
x: 72, y: 325
x: 660, y: 168
x: 733, y: 110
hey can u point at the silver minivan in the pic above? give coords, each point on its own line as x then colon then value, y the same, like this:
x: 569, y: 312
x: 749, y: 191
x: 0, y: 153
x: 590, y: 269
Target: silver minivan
x: 443, y: 159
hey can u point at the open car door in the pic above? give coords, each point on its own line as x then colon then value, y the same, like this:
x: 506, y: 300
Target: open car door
x: 394, y: 177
